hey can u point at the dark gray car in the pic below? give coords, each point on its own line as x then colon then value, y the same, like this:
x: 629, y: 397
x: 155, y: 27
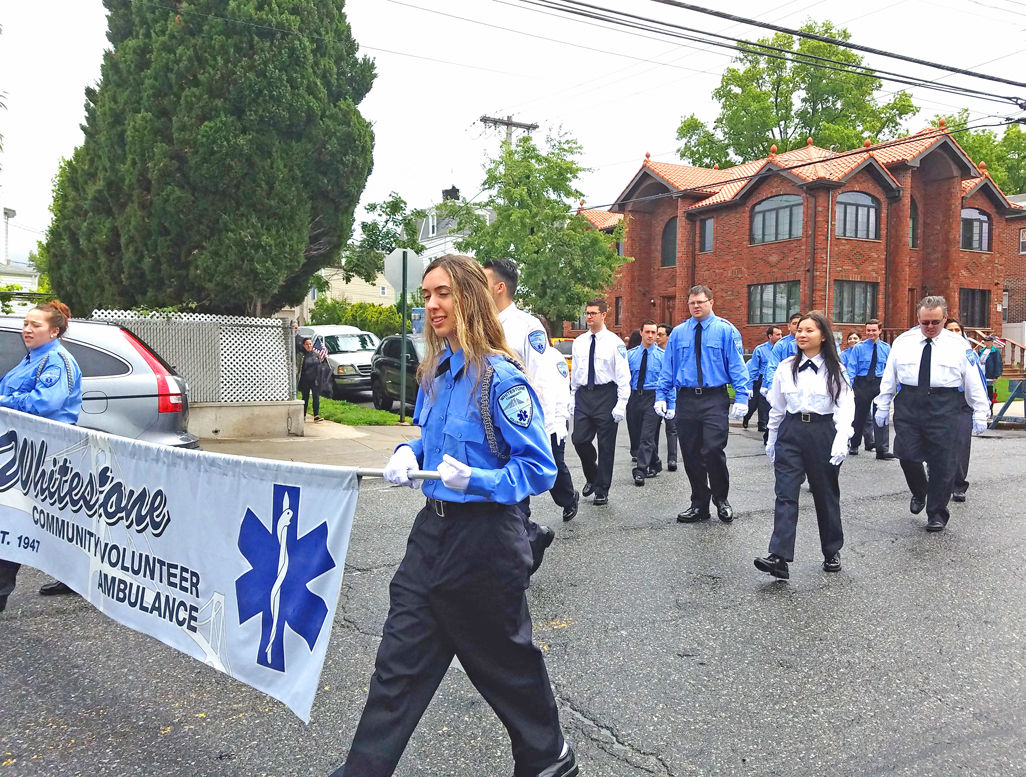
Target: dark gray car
x: 127, y: 389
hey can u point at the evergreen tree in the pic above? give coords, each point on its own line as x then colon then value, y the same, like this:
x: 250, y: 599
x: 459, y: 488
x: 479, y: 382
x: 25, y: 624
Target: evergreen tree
x: 224, y: 155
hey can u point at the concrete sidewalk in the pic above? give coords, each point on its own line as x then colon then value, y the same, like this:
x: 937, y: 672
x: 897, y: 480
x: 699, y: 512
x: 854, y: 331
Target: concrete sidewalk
x: 325, y: 442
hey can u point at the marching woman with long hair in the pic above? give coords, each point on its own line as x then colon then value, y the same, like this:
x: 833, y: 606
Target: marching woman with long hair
x: 811, y: 412
x: 47, y: 383
x: 460, y: 589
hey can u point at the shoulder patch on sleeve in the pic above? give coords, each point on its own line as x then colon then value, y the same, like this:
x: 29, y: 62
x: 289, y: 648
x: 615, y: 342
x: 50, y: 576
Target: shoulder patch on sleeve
x: 970, y: 354
x: 538, y: 341
x: 622, y: 350
x: 50, y: 376
x: 517, y: 406
x: 563, y: 369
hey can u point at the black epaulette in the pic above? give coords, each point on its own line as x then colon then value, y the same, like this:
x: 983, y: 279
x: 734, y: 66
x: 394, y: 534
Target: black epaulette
x: 486, y: 408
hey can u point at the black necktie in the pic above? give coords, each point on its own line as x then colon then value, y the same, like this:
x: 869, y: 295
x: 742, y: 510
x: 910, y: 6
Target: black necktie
x: 698, y: 353
x: 872, y: 363
x: 591, y: 364
x: 924, y: 364
x: 643, y: 372
x: 808, y: 364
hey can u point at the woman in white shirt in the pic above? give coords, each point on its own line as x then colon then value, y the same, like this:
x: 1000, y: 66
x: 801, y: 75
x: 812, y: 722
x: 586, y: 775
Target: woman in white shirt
x: 812, y: 408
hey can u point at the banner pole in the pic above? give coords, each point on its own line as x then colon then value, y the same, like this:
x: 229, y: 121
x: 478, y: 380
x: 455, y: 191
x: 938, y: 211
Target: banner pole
x: 415, y: 474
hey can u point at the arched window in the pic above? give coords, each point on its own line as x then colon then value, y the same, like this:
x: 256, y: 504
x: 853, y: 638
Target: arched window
x: 975, y: 230
x: 858, y: 216
x: 913, y: 225
x: 669, y: 246
x: 777, y: 218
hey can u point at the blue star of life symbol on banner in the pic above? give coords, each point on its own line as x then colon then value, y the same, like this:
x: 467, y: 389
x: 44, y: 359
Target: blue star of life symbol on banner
x: 282, y: 564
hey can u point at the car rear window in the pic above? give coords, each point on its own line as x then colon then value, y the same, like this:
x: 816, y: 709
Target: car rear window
x: 95, y: 363
x: 12, y: 350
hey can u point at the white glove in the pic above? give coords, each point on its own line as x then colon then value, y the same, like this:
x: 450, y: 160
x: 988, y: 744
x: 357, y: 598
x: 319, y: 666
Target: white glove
x: 738, y: 410
x: 619, y: 411
x: 670, y: 414
x: 979, y: 427
x: 455, y: 474
x: 397, y: 470
x: 570, y: 408
x: 837, y: 458
x: 771, y: 451
x: 838, y: 450
x: 660, y: 408
x: 561, y: 432
x: 882, y: 416
x: 764, y: 390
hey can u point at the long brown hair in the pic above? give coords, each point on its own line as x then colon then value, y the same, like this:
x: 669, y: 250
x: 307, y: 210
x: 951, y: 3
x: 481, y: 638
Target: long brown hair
x: 832, y: 362
x: 58, y: 312
x: 476, y: 324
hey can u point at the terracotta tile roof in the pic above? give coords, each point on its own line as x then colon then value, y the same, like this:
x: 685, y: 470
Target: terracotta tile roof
x: 968, y: 184
x: 601, y: 219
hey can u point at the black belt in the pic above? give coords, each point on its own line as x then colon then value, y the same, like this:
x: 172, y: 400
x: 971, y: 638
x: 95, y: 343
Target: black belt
x: 444, y: 509
x: 932, y: 389
x: 811, y: 418
x: 597, y: 386
x: 699, y: 390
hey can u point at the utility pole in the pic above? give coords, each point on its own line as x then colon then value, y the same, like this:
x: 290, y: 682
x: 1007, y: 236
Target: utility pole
x: 509, y: 124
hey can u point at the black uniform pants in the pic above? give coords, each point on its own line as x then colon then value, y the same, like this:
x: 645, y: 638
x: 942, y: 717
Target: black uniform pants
x: 593, y: 417
x: 757, y: 403
x: 8, y: 573
x: 648, y: 433
x: 562, y: 490
x: 671, y: 441
x: 459, y: 591
x: 633, y: 417
x: 306, y: 399
x: 924, y: 431
x: 803, y: 450
x: 702, y: 427
x: 866, y: 390
x: 963, y: 445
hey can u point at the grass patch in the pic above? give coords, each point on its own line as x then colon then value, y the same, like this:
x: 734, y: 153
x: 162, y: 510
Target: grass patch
x: 342, y: 412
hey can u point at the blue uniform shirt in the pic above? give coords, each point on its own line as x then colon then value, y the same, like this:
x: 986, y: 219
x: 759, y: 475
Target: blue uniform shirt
x: 723, y: 360
x: 41, y: 384
x: 759, y: 361
x: 450, y: 422
x: 652, y: 368
x: 861, y: 354
x: 786, y: 346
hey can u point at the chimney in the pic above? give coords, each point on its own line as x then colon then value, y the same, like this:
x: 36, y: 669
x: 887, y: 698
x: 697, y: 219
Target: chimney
x: 450, y: 194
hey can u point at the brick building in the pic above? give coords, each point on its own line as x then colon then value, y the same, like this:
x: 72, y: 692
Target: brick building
x: 860, y: 234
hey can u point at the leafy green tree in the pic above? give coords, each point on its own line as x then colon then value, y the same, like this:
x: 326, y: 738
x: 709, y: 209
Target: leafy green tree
x: 563, y: 261
x: 1005, y: 155
x: 395, y: 226
x: 224, y: 155
x: 765, y: 101
x: 380, y: 319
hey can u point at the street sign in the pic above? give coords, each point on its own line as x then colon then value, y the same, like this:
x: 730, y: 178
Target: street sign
x: 394, y: 269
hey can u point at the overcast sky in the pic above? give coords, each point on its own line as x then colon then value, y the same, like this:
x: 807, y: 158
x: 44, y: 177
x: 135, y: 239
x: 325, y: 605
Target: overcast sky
x: 442, y: 64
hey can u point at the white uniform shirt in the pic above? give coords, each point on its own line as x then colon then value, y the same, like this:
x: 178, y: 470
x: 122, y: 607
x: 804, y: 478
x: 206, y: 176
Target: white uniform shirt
x: 952, y: 365
x: 553, y: 390
x: 809, y: 394
x: 610, y: 363
x: 526, y: 338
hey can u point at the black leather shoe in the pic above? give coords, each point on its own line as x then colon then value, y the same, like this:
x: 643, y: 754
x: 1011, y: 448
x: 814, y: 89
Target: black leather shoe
x: 853, y: 451
x: 916, y: 505
x: 724, y: 511
x: 564, y: 767
x: 773, y: 565
x: 56, y: 588
x: 601, y: 500
x: 958, y: 496
x: 538, y: 546
x: 634, y: 458
x: 871, y: 447
x: 762, y: 428
x: 571, y: 511
x: 886, y: 456
x: 588, y: 490
x: 833, y: 563
x: 935, y: 524
x: 744, y: 424
x: 652, y: 473
x: 3, y: 602
x: 639, y: 478
x: 693, y: 515
x: 671, y: 466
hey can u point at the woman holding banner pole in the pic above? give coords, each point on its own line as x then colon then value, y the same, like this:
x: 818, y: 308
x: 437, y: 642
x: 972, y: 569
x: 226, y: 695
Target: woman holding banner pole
x: 47, y: 383
x: 460, y: 589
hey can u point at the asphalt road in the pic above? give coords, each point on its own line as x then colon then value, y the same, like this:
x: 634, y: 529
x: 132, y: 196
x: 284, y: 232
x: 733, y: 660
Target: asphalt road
x: 669, y: 653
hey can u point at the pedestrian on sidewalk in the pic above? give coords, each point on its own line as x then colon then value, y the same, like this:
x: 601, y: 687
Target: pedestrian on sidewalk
x: 310, y: 378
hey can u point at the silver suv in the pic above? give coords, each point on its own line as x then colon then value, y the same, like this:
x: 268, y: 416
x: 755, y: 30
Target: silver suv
x: 127, y: 389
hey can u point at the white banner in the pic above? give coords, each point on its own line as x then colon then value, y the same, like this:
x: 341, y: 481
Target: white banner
x: 235, y: 561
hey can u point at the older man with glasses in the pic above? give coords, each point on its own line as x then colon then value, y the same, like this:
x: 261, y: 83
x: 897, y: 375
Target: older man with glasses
x: 936, y: 374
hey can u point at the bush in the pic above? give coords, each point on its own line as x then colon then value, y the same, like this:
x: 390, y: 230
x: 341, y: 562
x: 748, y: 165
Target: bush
x: 380, y: 319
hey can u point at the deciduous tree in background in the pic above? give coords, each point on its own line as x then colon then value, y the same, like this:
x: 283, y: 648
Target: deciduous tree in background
x: 1005, y: 154
x: 224, y: 155
x: 563, y: 261
x: 765, y: 101
x: 394, y: 226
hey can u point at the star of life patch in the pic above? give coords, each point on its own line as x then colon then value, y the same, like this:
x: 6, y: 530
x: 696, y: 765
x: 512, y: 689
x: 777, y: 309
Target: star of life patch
x: 563, y: 369
x: 538, y: 341
x: 50, y: 376
x: 517, y: 406
x: 622, y: 350
x: 970, y: 354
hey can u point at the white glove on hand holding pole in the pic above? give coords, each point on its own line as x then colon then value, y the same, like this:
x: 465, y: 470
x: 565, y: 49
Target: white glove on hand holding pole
x: 397, y: 471
x: 455, y: 474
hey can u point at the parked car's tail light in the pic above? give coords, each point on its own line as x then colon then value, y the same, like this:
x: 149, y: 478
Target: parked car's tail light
x: 169, y: 396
